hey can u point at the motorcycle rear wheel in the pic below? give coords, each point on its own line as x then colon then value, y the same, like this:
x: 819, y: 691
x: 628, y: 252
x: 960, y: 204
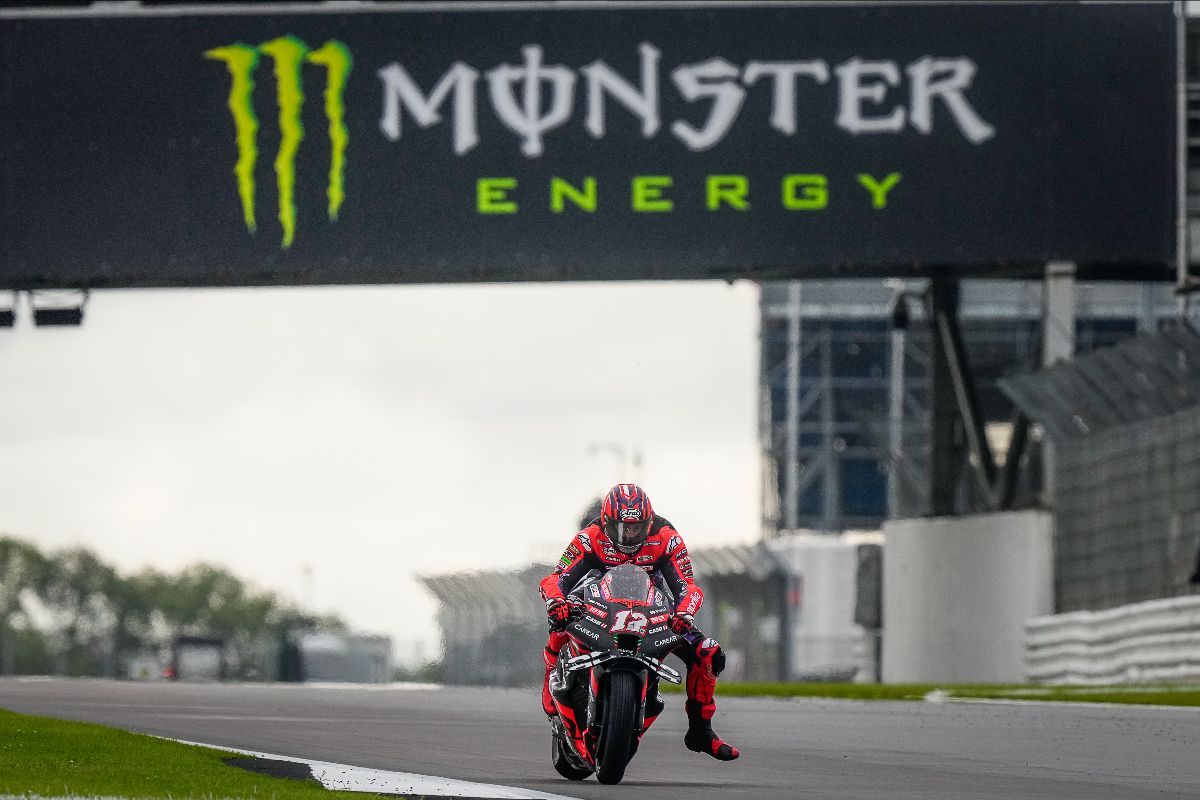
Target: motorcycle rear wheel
x: 615, y: 747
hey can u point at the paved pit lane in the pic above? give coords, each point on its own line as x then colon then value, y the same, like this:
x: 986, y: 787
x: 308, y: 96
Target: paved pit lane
x: 819, y: 749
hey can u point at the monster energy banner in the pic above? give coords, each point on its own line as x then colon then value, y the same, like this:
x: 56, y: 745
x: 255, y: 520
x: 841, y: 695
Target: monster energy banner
x: 521, y: 142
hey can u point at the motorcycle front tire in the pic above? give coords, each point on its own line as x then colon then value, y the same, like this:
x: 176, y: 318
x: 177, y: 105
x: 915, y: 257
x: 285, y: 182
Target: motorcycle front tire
x: 615, y: 747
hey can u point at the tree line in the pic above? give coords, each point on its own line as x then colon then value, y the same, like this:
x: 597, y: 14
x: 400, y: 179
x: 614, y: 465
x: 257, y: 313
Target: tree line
x: 68, y: 612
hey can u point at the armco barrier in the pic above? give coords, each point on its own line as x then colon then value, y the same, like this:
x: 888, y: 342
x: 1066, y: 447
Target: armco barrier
x: 1153, y: 641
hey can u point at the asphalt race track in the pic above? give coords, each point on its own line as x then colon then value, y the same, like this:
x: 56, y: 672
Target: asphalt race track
x: 791, y: 749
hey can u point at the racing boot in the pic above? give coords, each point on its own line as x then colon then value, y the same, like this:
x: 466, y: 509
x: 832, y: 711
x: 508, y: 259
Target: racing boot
x: 548, y: 706
x: 701, y: 738
x: 554, y: 644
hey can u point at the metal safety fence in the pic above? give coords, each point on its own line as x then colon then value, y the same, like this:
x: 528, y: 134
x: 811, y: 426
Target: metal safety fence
x: 1125, y: 422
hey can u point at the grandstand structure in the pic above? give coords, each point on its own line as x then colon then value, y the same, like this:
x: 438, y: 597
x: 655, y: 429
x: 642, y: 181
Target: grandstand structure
x: 782, y: 610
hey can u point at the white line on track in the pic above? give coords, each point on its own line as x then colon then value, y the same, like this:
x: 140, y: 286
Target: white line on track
x: 346, y: 778
x: 934, y: 697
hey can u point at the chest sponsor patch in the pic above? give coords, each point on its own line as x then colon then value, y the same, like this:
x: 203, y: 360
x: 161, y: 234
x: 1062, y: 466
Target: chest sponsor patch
x: 645, y: 559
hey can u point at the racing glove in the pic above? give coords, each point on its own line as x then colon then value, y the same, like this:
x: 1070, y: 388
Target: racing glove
x: 558, y: 611
x: 682, y: 623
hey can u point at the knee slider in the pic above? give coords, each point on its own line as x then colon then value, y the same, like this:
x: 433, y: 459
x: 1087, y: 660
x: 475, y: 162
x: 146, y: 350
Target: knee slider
x: 718, y: 661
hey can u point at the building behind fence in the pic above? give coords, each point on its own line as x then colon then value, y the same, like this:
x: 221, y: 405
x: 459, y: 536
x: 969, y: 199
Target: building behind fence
x: 833, y: 339
x: 782, y: 610
x: 1125, y: 422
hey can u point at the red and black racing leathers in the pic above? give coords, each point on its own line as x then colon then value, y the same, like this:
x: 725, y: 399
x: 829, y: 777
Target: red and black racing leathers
x: 663, y: 553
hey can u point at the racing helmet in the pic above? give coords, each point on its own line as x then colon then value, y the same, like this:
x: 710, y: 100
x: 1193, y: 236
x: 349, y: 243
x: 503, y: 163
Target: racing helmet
x: 626, y: 516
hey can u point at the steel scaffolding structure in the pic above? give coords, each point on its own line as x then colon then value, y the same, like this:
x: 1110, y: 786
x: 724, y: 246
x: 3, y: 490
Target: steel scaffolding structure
x: 827, y: 394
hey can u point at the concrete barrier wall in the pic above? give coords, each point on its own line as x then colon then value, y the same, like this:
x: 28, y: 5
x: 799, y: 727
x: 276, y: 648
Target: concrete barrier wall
x: 957, y: 592
x: 826, y: 643
x: 1158, y: 640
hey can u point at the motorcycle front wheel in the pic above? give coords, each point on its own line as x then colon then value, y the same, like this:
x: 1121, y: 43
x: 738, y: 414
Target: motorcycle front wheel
x: 615, y: 747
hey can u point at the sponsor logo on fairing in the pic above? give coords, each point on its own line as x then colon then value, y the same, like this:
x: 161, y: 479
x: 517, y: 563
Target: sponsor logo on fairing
x: 661, y: 642
x: 597, y: 611
x: 658, y: 618
x: 590, y: 634
x: 659, y: 629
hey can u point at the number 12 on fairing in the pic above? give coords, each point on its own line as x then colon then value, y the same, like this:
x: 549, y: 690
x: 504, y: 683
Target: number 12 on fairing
x: 629, y: 622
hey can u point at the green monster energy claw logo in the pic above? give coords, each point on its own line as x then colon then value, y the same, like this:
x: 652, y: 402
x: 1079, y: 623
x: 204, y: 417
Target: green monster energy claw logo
x: 289, y: 54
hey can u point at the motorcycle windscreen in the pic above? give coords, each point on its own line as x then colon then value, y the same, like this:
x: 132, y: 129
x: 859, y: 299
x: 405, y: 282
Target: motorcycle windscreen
x: 627, y: 582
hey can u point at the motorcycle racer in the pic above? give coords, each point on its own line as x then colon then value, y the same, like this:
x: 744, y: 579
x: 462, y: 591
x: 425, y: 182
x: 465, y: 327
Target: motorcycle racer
x: 628, y: 531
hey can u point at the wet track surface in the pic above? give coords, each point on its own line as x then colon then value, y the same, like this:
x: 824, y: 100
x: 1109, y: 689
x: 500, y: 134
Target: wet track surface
x: 792, y: 749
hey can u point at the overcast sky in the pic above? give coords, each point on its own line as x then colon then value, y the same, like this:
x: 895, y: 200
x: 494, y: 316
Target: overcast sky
x: 374, y: 433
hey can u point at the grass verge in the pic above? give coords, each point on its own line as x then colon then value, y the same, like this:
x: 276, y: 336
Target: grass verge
x: 52, y: 757
x: 1135, y: 695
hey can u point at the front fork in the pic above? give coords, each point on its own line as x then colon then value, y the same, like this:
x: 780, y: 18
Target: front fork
x: 595, y: 719
x: 584, y: 733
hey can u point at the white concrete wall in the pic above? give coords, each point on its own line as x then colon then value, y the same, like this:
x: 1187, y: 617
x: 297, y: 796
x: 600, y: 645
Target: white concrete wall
x: 826, y: 643
x: 957, y: 592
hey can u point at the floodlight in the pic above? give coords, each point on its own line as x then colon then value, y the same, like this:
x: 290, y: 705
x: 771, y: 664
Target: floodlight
x: 57, y: 316
x: 58, y: 308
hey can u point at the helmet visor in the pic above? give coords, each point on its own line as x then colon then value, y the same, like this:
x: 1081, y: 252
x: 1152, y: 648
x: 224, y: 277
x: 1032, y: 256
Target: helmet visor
x: 628, y: 536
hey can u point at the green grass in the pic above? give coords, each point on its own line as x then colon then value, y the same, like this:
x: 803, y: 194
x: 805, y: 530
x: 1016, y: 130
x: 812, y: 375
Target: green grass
x: 1133, y: 695
x: 54, y: 757
x: 1139, y: 695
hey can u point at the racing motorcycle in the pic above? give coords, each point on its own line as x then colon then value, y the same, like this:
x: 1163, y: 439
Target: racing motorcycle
x: 603, y: 686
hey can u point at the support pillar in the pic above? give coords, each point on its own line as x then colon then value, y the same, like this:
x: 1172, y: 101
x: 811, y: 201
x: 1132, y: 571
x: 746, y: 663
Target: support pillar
x: 945, y: 456
x: 831, y: 483
x: 1058, y: 344
x: 896, y: 403
x: 791, y: 470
